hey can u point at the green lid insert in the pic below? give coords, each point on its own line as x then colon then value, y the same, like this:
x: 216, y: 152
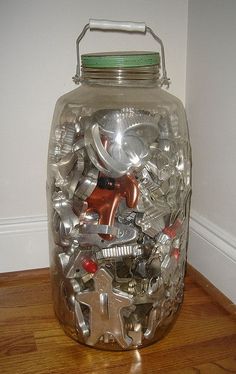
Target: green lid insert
x: 120, y: 59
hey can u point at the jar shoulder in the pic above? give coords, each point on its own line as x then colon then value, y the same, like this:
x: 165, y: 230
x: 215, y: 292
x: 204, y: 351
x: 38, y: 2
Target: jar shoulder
x: 88, y: 99
x: 151, y: 96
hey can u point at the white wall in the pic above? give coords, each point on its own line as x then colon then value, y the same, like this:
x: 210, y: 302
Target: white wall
x: 37, y: 41
x: 211, y: 109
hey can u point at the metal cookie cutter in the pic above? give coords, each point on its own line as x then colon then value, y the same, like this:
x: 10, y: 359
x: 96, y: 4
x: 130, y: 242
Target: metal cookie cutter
x: 135, y: 149
x: 106, y: 305
x: 99, y: 155
x: 160, y: 164
x: 135, y: 332
x: 64, y: 230
x: 98, y: 229
x: 125, y: 234
x: 63, y: 167
x: 87, y: 184
x: 144, y: 127
x: 161, y: 310
x: 64, y: 138
x: 132, y: 143
x: 153, y: 220
x: 63, y: 206
x: 154, y: 320
x: 106, y: 197
x: 149, y: 188
x: 80, y: 320
x: 168, y: 267
x: 68, y: 172
x: 77, y: 174
x: 130, y: 132
x: 112, y: 121
x: 78, y: 264
x: 132, y: 250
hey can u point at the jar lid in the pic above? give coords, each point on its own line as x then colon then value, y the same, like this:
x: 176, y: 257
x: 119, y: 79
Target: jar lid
x: 120, y: 59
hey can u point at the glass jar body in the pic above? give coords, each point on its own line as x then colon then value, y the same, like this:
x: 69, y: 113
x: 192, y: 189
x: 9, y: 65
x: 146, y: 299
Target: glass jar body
x: 118, y: 192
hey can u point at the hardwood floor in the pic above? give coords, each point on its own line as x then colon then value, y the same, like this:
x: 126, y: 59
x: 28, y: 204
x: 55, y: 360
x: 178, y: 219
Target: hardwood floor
x: 203, y: 340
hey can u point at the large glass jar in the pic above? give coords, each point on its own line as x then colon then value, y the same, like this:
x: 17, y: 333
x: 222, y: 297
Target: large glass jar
x: 118, y: 203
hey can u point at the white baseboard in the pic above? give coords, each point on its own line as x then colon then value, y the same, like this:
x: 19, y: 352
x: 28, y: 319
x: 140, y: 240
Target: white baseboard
x: 23, y: 243
x: 212, y: 251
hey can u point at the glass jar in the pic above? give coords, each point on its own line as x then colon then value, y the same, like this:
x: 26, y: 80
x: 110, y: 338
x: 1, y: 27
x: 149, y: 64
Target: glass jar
x: 118, y: 192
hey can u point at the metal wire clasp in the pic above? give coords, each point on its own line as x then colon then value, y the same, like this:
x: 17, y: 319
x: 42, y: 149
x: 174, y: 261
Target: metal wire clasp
x: 106, y: 25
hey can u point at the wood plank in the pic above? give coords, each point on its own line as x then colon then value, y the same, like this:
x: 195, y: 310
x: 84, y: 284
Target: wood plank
x: 16, y: 344
x: 24, y: 277
x: 26, y: 295
x: 203, y: 339
x: 211, y: 290
x: 227, y: 365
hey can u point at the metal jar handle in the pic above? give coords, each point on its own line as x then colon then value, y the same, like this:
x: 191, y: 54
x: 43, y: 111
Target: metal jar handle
x: 123, y: 26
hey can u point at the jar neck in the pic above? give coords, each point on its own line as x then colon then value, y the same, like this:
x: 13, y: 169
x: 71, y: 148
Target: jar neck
x: 138, y: 76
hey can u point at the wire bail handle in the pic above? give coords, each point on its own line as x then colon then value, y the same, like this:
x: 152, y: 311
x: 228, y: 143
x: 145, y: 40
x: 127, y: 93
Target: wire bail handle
x: 123, y: 26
